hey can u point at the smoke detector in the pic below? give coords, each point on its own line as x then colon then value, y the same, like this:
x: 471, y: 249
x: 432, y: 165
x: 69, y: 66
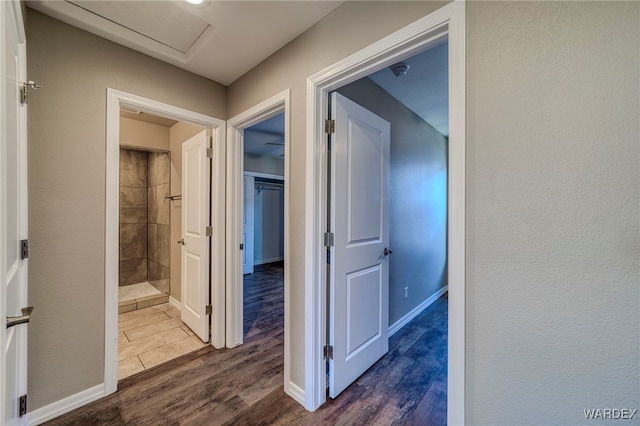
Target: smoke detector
x: 399, y: 69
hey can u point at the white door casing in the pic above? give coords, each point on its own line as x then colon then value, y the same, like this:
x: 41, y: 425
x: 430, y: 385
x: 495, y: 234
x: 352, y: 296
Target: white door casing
x: 248, y: 225
x: 359, y: 265
x: 195, y: 252
x: 13, y: 213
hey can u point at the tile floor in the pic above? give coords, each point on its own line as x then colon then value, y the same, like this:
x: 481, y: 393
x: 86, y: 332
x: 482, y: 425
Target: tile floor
x: 151, y: 336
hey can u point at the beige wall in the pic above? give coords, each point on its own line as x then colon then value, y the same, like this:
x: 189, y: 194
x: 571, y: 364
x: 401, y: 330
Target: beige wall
x: 348, y: 29
x: 138, y: 134
x: 178, y: 133
x: 67, y: 191
x: 553, y: 217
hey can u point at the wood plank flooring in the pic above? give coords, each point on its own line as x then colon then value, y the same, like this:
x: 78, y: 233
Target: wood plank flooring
x: 244, y: 385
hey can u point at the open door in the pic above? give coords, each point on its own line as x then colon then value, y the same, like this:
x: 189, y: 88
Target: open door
x: 13, y: 219
x: 359, y: 265
x: 247, y: 225
x: 195, y: 253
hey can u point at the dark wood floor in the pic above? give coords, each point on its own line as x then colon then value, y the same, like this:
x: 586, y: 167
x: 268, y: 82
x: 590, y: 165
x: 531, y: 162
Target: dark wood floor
x: 244, y: 385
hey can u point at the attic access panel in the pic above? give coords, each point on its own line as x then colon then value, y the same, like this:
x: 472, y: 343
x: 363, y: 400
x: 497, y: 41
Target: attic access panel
x: 161, y: 21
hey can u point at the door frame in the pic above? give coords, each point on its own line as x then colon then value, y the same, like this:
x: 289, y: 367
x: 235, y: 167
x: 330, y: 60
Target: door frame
x: 115, y: 100
x: 446, y: 22
x: 11, y: 14
x: 273, y: 106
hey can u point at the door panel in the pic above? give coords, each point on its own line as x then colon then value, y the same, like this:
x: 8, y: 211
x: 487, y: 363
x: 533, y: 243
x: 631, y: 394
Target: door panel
x: 364, y: 313
x: 13, y: 215
x: 359, y: 269
x: 364, y: 183
x: 195, y: 253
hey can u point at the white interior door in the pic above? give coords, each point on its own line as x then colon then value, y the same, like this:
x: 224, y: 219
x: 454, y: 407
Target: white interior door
x: 13, y: 217
x: 195, y: 253
x: 359, y: 272
x: 247, y: 225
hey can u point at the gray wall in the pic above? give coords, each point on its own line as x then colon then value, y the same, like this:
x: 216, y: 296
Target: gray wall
x: 553, y: 217
x: 418, y: 199
x: 67, y: 191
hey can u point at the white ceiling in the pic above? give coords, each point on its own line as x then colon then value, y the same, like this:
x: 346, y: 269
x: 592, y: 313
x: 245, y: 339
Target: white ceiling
x: 424, y: 89
x: 220, y: 40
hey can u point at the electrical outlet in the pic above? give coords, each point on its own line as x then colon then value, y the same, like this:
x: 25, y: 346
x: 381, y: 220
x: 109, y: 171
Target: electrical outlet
x: 406, y: 292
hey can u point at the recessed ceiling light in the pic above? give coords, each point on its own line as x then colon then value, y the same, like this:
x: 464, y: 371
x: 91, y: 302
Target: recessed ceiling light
x: 194, y: 1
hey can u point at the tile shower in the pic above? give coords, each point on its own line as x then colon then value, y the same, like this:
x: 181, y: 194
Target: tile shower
x: 144, y: 259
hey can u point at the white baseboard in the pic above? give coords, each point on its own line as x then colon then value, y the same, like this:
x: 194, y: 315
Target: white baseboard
x: 70, y: 403
x: 270, y: 260
x: 175, y: 303
x: 393, y: 329
x: 295, y: 392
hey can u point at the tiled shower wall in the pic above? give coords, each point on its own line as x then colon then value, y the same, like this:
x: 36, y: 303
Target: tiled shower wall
x: 158, y: 231
x: 144, y: 218
x: 133, y: 216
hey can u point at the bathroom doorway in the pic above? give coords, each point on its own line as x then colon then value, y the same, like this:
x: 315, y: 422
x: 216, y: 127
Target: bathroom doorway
x: 150, y: 328
x: 194, y: 143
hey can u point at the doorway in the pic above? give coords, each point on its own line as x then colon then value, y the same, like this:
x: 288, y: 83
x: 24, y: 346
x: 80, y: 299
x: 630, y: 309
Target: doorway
x: 391, y: 160
x: 263, y: 227
x: 445, y: 23
x: 208, y: 148
x: 153, y: 327
x: 275, y: 108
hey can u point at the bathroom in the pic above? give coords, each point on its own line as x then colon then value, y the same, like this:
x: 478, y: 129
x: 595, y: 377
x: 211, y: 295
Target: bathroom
x: 150, y: 214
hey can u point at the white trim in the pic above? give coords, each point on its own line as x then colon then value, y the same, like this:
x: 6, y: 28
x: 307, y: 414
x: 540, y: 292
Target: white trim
x: 235, y: 170
x: 263, y: 175
x: 65, y: 405
x: 296, y: 392
x: 175, y: 303
x: 448, y: 21
x: 115, y: 100
x: 396, y: 326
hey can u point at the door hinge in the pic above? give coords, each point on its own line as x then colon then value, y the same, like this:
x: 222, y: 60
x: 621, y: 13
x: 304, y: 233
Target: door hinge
x: 22, y: 405
x: 24, y: 249
x: 208, y: 310
x: 24, y: 90
x: 329, y: 239
x: 241, y: 246
x: 209, y: 152
x: 329, y: 126
x: 327, y: 352
x: 209, y: 231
